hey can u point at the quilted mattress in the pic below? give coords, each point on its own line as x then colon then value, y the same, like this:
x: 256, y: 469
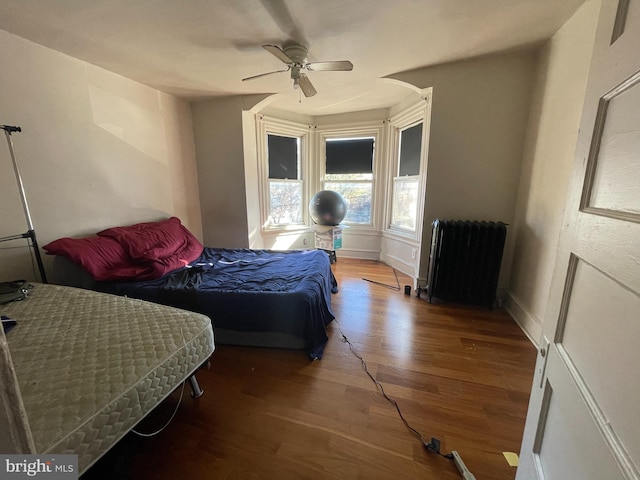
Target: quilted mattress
x: 92, y: 365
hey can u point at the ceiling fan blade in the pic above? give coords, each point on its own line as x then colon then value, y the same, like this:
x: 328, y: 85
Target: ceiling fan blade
x: 306, y: 86
x: 264, y: 74
x: 342, y: 65
x: 277, y: 52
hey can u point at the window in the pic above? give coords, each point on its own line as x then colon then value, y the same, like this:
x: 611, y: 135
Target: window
x: 349, y: 171
x: 406, y: 183
x: 285, y: 180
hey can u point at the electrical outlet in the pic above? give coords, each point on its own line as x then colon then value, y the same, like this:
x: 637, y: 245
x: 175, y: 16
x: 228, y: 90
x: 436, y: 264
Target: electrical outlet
x: 413, y: 253
x: 304, y: 241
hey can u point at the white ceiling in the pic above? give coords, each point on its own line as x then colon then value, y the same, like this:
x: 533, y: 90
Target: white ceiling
x: 203, y: 48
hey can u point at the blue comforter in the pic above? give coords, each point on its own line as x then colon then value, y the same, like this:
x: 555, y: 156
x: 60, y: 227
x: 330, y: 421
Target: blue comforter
x: 250, y: 291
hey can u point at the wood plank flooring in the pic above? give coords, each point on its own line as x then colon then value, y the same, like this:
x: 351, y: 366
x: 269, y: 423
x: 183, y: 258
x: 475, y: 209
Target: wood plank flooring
x: 460, y: 374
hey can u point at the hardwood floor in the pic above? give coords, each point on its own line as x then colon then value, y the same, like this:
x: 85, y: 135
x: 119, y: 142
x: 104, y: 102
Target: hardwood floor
x: 460, y: 374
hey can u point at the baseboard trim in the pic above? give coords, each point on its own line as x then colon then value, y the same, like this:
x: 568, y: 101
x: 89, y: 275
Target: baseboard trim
x: 360, y: 254
x: 529, y: 324
x: 399, y: 264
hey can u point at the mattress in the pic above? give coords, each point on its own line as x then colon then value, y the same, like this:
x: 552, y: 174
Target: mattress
x: 90, y: 365
x: 254, y: 297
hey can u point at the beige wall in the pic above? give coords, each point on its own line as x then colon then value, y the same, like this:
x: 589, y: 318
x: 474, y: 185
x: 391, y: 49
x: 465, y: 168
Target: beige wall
x: 478, y: 126
x: 220, y: 155
x: 96, y: 150
x: 563, y: 64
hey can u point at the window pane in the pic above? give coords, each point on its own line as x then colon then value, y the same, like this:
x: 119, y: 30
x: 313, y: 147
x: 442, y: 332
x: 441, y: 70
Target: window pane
x: 410, y: 146
x: 349, y: 176
x: 405, y: 203
x: 283, y: 157
x: 285, y: 200
x: 358, y: 197
x: 353, y: 155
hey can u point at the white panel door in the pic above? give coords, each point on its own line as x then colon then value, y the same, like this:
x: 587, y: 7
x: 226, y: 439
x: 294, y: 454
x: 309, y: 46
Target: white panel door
x: 584, y: 414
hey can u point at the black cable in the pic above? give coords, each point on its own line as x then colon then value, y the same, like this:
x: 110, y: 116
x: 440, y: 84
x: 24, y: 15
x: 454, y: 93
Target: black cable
x: 396, y: 288
x: 153, y: 434
x: 433, y: 445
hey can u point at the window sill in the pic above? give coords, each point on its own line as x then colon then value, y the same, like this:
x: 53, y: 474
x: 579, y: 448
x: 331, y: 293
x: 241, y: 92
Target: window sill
x: 406, y: 235
x: 285, y: 230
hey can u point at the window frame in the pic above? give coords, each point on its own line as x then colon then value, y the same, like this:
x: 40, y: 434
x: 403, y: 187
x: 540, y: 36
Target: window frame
x: 274, y: 126
x: 373, y: 130
x: 418, y: 113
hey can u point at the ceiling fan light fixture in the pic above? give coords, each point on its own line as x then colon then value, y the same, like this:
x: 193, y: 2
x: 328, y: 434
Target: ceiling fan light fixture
x: 296, y: 83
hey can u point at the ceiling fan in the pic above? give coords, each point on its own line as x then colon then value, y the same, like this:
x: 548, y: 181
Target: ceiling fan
x: 295, y: 57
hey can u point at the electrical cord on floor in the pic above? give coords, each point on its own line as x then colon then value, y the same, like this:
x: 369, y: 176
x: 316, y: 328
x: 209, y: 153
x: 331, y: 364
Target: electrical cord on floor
x: 175, y: 411
x: 392, y: 287
x: 433, y: 445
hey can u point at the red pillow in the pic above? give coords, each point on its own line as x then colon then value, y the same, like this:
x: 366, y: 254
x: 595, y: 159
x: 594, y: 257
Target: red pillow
x: 167, y: 242
x: 104, y: 258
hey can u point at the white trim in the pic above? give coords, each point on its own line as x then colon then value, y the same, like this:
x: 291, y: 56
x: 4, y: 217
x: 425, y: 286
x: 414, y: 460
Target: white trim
x: 270, y: 125
x: 528, y: 323
x: 285, y: 126
x: 359, y: 253
x: 409, y: 240
x: 373, y: 129
x: 412, y: 113
x: 400, y: 264
x: 420, y: 112
x: 364, y: 231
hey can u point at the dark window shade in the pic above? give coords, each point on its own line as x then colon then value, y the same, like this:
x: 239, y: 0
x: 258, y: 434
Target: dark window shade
x: 410, y: 146
x: 283, y: 157
x: 350, y: 156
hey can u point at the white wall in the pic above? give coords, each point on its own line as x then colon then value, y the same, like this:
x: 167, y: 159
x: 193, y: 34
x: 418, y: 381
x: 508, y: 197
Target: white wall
x: 96, y: 150
x: 563, y: 64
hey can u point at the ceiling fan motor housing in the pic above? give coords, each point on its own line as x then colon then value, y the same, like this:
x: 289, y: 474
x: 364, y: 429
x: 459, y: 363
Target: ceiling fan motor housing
x: 297, y: 53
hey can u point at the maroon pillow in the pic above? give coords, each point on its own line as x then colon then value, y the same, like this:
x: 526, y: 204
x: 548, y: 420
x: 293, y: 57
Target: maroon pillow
x: 104, y: 258
x: 166, y: 242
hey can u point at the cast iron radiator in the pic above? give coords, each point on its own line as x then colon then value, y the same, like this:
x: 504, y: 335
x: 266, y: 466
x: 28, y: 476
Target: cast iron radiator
x: 464, y: 263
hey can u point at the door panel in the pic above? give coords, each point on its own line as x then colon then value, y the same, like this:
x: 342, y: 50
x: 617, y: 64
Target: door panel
x: 611, y: 162
x: 605, y: 356
x: 584, y: 454
x: 584, y: 414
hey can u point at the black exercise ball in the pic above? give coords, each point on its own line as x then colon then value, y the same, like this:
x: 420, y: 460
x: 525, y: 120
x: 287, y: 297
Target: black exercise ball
x: 327, y: 208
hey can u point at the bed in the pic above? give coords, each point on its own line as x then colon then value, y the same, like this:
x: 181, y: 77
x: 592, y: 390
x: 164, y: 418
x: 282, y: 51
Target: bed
x: 90, y: 365
x: 262, y: 298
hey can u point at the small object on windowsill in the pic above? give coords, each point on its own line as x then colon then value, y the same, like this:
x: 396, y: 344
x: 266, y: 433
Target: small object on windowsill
x: 7, y: 323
